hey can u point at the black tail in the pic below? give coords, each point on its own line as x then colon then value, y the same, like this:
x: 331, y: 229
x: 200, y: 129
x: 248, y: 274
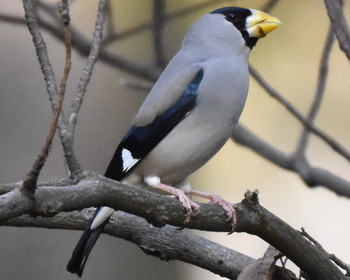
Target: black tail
x: 82, y: 250
x: 88, y: 239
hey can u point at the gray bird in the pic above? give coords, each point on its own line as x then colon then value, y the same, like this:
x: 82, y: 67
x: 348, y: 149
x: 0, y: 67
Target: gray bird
x: 188, y: 116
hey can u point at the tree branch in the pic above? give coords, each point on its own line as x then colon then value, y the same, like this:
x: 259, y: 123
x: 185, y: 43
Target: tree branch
x: 110, y: 26
x: 160, y: 210
x: 91, y: 190
x: 337, y: 147
x: 166, y: 243
x: 30, y: 181
x: 269, y: 5
x: 311, y: 176
x: 332, y: 257
x: 150, y: 24
x: 321, y: 85
x: 46, y: 68
x: 159, y: 19
x: 339, y: 24
x: 83, y: 47
x: 89, y: 66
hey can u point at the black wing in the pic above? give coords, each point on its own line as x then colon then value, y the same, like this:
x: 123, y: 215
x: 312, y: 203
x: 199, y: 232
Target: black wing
x: 139, y: 141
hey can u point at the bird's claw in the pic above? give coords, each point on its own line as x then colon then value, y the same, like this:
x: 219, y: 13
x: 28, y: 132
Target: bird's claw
x: 227, y: 206
x: 191, y: 207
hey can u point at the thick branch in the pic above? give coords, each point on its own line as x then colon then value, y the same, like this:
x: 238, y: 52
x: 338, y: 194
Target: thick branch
x: 161, y: 210
x: 166, y: 243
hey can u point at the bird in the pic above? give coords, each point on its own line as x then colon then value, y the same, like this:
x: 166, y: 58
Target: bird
x: 187, y: 116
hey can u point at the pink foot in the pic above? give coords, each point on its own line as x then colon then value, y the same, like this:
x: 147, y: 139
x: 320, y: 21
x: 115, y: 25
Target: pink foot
x: 228, y: 206
x: 187, y: 203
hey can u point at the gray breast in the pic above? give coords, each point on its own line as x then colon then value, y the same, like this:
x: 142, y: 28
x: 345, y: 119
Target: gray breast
x: 205, y: 130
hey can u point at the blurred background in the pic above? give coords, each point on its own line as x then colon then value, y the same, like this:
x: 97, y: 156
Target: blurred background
x: 288, y: 58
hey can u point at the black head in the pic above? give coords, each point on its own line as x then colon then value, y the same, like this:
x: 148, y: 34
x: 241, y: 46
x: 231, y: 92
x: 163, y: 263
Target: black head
x: 238, y: 16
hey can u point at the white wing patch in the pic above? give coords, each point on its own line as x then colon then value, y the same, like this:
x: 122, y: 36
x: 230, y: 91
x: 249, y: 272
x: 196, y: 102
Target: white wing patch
x: 128, y: 160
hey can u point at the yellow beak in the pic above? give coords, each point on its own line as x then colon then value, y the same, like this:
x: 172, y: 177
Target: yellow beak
x: 259, y: 24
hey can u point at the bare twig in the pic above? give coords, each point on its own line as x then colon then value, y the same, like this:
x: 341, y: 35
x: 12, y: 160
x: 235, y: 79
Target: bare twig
x: 159, y: 16
x: 290, y: 108
x: 139, y: 85
x: 64, y: 11
x: 321, y: 85
x: 110, y: 26
x: 269, y: 5
x: 30, y: 181
x: 312, y: 176
x: 89, y: 66
x: 42, y: 54
x: 83, y: 46
x: 339, y: 24
x: 63, y: 8
x: 332, y: 257
x: 12, y: 19
x: 169, y: 17
x: 46, y: 68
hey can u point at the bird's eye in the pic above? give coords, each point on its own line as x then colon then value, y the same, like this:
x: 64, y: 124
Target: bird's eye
x: 231, y: 17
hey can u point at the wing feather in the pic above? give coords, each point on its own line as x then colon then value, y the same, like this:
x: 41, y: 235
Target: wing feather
x: 140, y: 140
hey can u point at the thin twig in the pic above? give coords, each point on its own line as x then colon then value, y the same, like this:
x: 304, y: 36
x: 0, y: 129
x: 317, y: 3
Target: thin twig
x: 41, y: 51
x: 332, y: 257
x: 159, y: 16
x: 321, y: 85
x: 83, y: 47
x: 290, y: 108
x: 51, y: 87
x: 269, y: 5
x: 339, y: 24
x: 110, y: 26
x: 29, y: 183
x: 12, y: 19
x: 138, y: 85
x: 312, y: 176
x: 89, y: 66
x: 168, y: 17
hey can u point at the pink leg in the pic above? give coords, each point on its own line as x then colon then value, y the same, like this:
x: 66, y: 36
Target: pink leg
x: 228, y: 206
x: 184, y: 199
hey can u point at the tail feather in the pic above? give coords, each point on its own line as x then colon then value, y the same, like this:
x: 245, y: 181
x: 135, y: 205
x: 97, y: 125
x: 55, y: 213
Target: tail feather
x: 82, y: 250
